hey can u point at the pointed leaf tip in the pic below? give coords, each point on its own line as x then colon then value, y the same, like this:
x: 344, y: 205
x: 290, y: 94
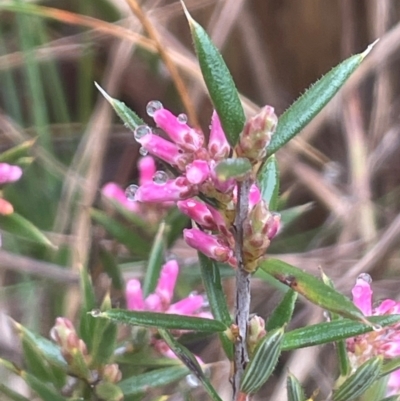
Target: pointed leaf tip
x: 369, y: 48
x: 103, y: 92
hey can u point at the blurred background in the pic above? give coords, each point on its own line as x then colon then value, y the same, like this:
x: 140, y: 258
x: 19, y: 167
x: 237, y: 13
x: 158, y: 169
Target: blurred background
x: 341, y: 176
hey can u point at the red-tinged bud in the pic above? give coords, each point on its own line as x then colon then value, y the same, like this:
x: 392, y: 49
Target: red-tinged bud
x: 257, y: 134
x: 256, y: 331
x: 111, y: 373
x: 218, y: 145
x: 6, y: 207
x: 208, y: 244
x: 185, y: 137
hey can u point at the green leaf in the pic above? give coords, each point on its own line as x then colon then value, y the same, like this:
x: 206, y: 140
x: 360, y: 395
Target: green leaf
x: 133, y: 241
x: 219, y: 82
x: 390, y: 366
x: 294, y: 390
x: 190, y: 361
x: 392, y: 398
x: 155, y: 262
x: 312, y: 288
x: 161, y: 320
x: 87, y: 325
x: 44, y: 390
x: 263, y: 362
x: 323, y: 333
x: 17, y: 225
x: 359, y: 381
x: 130, y: 118
x: 216, y: 298
x: 288, y: 216
x: 283, y: 312
x: 17, y: 152
x: 112, y: 268
x: 237, y: 168
x: 11, y: 394
x: 156, y: 378
x: 268, y: 180
x: 307, y: 106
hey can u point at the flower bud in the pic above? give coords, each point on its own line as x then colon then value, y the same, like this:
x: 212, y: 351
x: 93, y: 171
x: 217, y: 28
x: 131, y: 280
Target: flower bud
x: 111, y: 373
x: 256, y: 331
x: 257, y: 134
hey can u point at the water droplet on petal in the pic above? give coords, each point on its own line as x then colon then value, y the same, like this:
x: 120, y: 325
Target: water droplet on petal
x: 153, y: 106
x: 160, y: 177
x: 143, y: 151
x: 182, y: 118
x: 130, y: 192
x: 365, y: 277
x: 141, y: 131
x: 192, y: 381
x: 377, y: 327
x: 95, y: 312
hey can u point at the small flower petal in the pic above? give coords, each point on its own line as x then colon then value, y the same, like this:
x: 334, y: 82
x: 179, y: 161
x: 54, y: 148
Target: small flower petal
x: 134, y: 295
x: 166, y: 282
x: 112, y: 190
x: 187, y: 306
x: 9, y: 173
x: 147, y: 169
x: 218, y: 145
x: 197, y: 172
x: 362, y: 296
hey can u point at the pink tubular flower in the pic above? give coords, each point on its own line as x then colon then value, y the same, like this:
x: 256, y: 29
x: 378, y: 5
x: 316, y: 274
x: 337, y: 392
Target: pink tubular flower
x: 9, y: 173
x: 218, y: 146
x: 384, y: 342
x: 134, y: 295
x: 147, y: 169
x: 166, y: 282
x: 197, y: 172
x: 112, y: 190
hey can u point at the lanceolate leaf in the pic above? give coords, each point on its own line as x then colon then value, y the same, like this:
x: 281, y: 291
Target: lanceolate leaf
x: 130, y: 118
x: 332, y: 331
x: 268, y: 179
x: 190, y: 361
x: 156, y: 378
x: 307, y: 106
x: 294, y: 390
x: 218, y: 79
x: 312, y: 288
x: 11, y: 394
x: 283, y: 312
x: 162, y: 320
x: 263, y: 362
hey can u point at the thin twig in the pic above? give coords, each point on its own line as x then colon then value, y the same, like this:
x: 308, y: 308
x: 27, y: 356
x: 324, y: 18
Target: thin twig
x: 173, y: 70
x: 242, y: 289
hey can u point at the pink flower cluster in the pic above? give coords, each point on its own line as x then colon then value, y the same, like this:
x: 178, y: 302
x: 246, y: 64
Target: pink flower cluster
x: 385, y: 341
x: 8, y: 174
x: 149, y: 212
x: 195, y: 162
x: 160, y: 300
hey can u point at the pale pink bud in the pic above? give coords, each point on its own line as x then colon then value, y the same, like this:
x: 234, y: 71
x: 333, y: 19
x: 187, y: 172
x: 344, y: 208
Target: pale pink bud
x: 187, y: 306
x: 111, y: 373
x: 172, y: 190
x: 207, y: 244
x: 362, y: 296
x: 9, y: 173
x: 164, y: 150
x: 134, y: 295
x: 197, y: 172
x: 254, y: 196
x: 112, y: 190
x: 153, y: 303
x: 184, y: 136
x: 256, y: 331
x: 166, y: 282
x: 6, y: 207
x: 218, y: 146
x: 274, y: 225
x: 147, y: 169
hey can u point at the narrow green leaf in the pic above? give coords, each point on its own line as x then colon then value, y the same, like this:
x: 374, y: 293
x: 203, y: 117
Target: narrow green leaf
x: 133, y: 241
x: 51, y: 352
x: 109, y: 391
x: 17, y: 225
x: 288, y: 216
x: 312, y: 288
x: 392, y: 398
x: 390, y: 366
x: 130, y: 118
x: 161, y: 320
x: 323, y: 333
x: 359, y: 381
x: 156, y: 378
x: 268, y: 180
x: 11, y: 394
x: 263, y: 362
x: 237, y: 168
x: 190, y: 361
x: 155, y: 262
x: 219, y: 82
x: 307, y: 106
x: 216, y: 298
x: 112, y: 268
x: 294, y: 390
x: 44, y: 390
x: 17, y: 152
x: 87, y: 324
x: 283, y: 312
